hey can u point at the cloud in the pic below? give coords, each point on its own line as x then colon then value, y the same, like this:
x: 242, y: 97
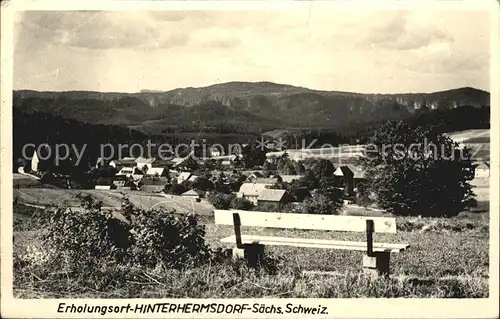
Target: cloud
x: 368, y: 51
x: 99, y: 30
x: 401, y: 33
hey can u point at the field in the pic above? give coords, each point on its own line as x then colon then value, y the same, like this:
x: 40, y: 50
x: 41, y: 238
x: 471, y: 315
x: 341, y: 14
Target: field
x: 110, y: 199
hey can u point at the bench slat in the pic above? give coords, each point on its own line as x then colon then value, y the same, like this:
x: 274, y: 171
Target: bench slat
x: 315, y: 243
x: 305, y: 221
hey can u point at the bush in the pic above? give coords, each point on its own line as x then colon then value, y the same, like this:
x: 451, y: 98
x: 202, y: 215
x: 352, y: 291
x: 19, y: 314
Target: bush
x: 89, y: 236
x: 175, y: 189
x: 160, y: 238
x: 324, y: 202
x: 221, y: 200
x: 241, y: 203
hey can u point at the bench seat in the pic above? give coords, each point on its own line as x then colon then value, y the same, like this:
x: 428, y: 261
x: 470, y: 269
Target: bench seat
x: 316, y: 243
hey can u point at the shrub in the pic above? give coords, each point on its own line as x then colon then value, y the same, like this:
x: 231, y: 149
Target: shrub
x: 175, y: 189
x: 162, y: 238
x: 241, y: 203
x: 324, y: 202
x: 220, y: 200
x: 89, y: 236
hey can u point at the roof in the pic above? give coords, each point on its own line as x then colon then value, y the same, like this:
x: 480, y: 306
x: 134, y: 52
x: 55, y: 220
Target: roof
x: 190, y: 193
x: 125, y: 161
x: 272, y: 195
x: 155, y: 170
x: 343, y: 171
x: 192, y: 178
x: 257, y: 174
x: 483, y: 165
x: 183, y: 176
x: 290, y: 178
x: 163, y: 162
x: 145, y: 160
x: 252, y: 189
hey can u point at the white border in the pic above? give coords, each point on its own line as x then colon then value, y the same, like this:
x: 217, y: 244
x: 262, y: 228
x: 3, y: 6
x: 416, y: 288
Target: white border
x: 345, y: 308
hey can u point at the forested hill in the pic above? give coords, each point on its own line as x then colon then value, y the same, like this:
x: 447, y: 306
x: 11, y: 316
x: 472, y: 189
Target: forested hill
x: 241, y: 107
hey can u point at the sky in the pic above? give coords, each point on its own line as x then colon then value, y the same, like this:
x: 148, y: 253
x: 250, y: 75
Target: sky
x: 342, y: 50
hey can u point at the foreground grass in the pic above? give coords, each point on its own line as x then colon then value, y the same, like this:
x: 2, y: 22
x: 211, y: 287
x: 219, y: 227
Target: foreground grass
x: 233, y: 280
x: 447, y: 258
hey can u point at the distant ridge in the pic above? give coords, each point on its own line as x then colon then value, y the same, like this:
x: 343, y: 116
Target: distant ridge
x: 259, y: 106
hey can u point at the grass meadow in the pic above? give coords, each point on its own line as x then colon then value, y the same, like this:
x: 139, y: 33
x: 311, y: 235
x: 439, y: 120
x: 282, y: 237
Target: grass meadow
x: 447, y: 258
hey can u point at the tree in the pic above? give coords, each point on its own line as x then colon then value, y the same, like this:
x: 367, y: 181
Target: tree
x: 328, y: 201
x: 220, y: 200
x: 299, y: 167
x: 203, y: 183
x: 285, y: 165
x: 253, y: 155
x: 415, y: 170
x: 175, y: 189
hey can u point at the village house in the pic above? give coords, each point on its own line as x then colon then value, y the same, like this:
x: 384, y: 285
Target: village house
x: 191, y: 194
x: 153, y: 186
x: 183, y: 176
x: 102, y: 162
x: 104, y: 183
x: 482, y: 170
x: 121, y: 182
x: 267, y: 180
x: 251, y: 191
x: 126, y: 171
x: 272, y: 198
x: 345, y: 177
x: 155, y: 171
x: 34, y: 162
x: 290, y: 178
x: 214, y: 152
x: 124, y: 162
x: 144, y: 163
x: 349, y: 176
x: 254, y: 176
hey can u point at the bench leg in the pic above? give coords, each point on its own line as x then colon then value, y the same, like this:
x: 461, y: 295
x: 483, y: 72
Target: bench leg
x: 377, y: 265
x: 252, y: 253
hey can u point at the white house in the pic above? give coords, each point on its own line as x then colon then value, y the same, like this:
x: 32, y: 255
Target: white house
x: 214, y: 152
x: 34, y: 162
x: 141, y: 162
x: 183, y: 176
x: 155, y: 171
x: 191, y: 193
x: 290, y: 178
x: 127, y: 171
x: 251, y: 191
x: 126, y: 161
x: 482, y: 170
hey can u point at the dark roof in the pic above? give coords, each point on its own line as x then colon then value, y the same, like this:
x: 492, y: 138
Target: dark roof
x: 272, y: 195
x: 125, y: 162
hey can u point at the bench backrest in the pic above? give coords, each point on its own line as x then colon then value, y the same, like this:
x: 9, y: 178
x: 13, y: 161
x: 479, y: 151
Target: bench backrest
x: 304, y: 221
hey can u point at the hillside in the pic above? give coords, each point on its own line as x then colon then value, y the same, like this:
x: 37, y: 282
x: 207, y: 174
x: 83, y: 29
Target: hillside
x: 240, y: 106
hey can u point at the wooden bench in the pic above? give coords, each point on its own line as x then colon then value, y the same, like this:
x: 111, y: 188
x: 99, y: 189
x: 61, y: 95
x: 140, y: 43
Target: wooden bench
x: 251, y: 247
